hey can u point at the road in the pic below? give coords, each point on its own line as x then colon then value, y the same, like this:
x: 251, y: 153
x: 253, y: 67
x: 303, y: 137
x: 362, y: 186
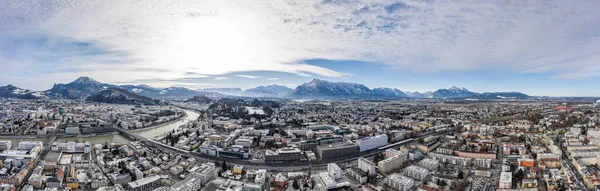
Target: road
x: 578, y: 179
x: 42, y: 155
x: 295, y: 166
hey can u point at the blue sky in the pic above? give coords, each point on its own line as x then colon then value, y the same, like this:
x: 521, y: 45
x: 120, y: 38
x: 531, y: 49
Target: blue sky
x: 536, y: 47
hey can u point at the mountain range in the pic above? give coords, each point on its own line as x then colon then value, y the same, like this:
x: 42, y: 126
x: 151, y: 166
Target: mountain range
x: 85, y: 87
x: 121, y: 96
x: 260, y: 91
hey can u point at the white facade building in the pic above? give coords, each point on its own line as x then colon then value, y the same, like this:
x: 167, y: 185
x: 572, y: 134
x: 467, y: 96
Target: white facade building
x: 366, y: 166
x: 28, y: 145
x: 416, y: 172
x: 72, y: 147
x: 369, y: 143
x: 505, y: 180
x: 5, y: 145
x: 334, y: 171
x: 400, y: 182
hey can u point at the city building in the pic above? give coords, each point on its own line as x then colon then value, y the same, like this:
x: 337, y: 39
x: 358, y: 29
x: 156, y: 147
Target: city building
x: 148, y: 183
x: 336, y: 150
x: 416, y: 172
x: 334, y: 171
x: 284, y: 154
x: 505, y: 181
x: 5, y: 145
x: 367, y: 166
x: 369, y: 143
x: 400, y: 182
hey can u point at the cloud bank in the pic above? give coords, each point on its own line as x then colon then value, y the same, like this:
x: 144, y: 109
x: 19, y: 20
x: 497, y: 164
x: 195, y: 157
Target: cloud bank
x: 169, y: 40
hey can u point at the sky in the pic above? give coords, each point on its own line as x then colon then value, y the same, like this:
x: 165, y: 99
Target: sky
x: 547, y: 48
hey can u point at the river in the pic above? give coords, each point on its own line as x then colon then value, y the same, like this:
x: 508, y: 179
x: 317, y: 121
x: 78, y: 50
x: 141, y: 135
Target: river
x: 149, y: 132
x: 152, y: 132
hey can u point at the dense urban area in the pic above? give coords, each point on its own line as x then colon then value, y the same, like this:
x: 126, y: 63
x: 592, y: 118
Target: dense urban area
x: 283, y: 144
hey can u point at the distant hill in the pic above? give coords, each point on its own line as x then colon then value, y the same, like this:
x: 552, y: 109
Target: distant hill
x: 389, y: 92
x: 325, y: 89
x: 226, y: 91
x: 11, y: 91
x: 343, y: 90
x: 200, y: 99
x: 143, y: 90
x: 79, y: 89
x: 268, y: 91
x: 500, y: 95
x: 427, y: 94
x: 453, y: 92
x: 84, y: 87
x: 175, y: 92
x: 121, y: 96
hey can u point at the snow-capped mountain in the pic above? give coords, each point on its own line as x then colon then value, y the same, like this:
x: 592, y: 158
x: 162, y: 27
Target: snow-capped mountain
x: 427, y: 94
x: 226, y: 91
x: 84, y: 87
x: 11, y: 91
x: 268, y: 91
x: 453, y: 92
x: 143, y: 90
x: 325, y: 89
x: 81, y: 88
x: 389, y: 92
x: 121, y: 96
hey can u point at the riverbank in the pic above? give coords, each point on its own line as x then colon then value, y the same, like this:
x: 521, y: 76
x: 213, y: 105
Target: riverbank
x: 160, y: 130
x: 88, y: 135
x: 160, y: 125
x: 22, y: 136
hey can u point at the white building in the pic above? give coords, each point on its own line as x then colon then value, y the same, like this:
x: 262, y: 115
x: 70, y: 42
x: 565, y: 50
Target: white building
x: 369, y: 143
x: 28, y: 145
x: 260, y: 176
x: 366, y: 166
x: 246, y: 142
x: 393, y: 162
x: 429, y: 164
x: 191, y: 183
x: 206, y: 172
x: 72, y: 147
x: 505, y: 180
x: 144, y: 184
x: 416, y: 172
x: 400, y: 182
x: 334, y: 171
x: 72, y: 130
x: 5, y: 145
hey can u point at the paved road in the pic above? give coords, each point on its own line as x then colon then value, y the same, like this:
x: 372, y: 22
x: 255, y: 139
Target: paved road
x: 41, y: 156
x: 578, y: 179
x: 286, y: 167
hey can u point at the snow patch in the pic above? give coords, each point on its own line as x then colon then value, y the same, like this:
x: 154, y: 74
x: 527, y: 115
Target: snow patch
x: 137, y: 90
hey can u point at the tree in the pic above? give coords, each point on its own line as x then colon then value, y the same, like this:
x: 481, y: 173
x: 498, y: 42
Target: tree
x: 378, y: 157
x: 518, y: 176
x: 224, y: 166
x: 296, y: 185
x: 442, y: 183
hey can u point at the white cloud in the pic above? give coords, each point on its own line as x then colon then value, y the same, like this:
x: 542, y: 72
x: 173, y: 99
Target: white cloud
x: 303, y: 74
x: 210, y: 38
x: 248, y: 76
x: 221, y: 78
x: 273, y: 79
